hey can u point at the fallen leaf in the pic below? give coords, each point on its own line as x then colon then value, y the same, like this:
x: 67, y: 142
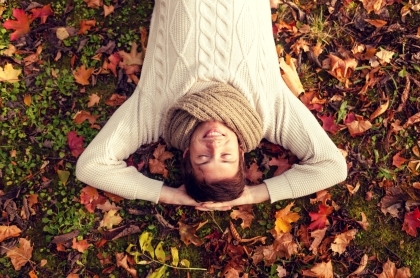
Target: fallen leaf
x: 390, y: 271
x: 244, y: 213
x: 82, y: 75
x: 283, y: 219
x: 80, y: 246
x: 9, y: 232
x: 319, y: 219
x: 63, y: 176
x: 380, y: 110
x: 11, y: 49
x: 132, y: 61
x: 20, y: 25
x: 321, y: 270
x: 93, y: 100
x: 285, y: 246
x: 86, y: 25
x: 412, y: 120
x: 397, y: 160
x: 342, y: 69
x: 373, y: 5
x: 342, y: 240
x: 111, y: 218
x: 300, y: 44
x: 282, y: 165
x: 93, y: 3
x: 42, y: 13
x: 75, y: 143
x: 328, y: 123
x: 364, y: 224
x: 362, y: 266
x: 107, y: 206
x: 253, y: 174
x: 385, y: 56
x: 318, y: 236
x: 411, y: 222
x: 321, y: 196
x: 157, y: 164
x: 115, y: 100
x: 33, y: 58
x: 20, y: 254
x: 358, y: 126
x: 311, y: 101
x: 108, y: 10
x: 121, y: 259
x: 114, y: 60
x: 291, y: 77
x: 378, y: 23
x: 9, y: 74
x: 353, y: 189
x: 27, y: 99
x: 187, y: 233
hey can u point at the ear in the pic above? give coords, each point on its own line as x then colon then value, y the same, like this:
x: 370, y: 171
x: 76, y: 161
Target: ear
x: 185, y: 152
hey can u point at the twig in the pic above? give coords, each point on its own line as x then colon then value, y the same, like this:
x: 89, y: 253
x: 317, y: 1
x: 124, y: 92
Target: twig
x: 211, y: 213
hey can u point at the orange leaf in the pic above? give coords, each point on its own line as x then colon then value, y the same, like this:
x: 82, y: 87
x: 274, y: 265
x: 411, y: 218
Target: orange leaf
x: 283, y: 219
x: 356, y: 124
x: 9, y: 232
x: 187, y: 233
x: 86, y: 25
x: 324, y: 270
x: 94, y: 3
x: 115, y: 100
x: 244, y: 213
x: 42, y: 13
x: 93, y: 100
x: 82, y: 75
x: 397, y: 160
x: 122, y: 262
x: 90, y: 198
x: 157, y: 165
x: 82, y: 116
x: 380, y: 110
x: 342, y: 240
x: 376, y: 22
x: 108, y: 10
x: 21, y: 254
x: 253, y: 174
x: 20, y: 25
x: 81, y: 245
x: 389, y: 271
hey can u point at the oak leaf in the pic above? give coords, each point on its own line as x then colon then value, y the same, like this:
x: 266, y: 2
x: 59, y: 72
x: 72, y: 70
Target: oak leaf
x: 21, y: 254
x: 321, y: 270
x: 187, y: 233
x: 111, y: 218
x: 82, y: 75
x: 244, y: 213
x: 80, y: 246
x: 411, y: 222
x: 20, y: 25
x: 342, y: 240
x: 157, y: 164
x: 390, y: 271
x: 42, y: 13
x: 9, y: 232
x: 115, y: 100
x: 86, y: 25
x: 283, y: 219
x: 253, y: 174
x: 75, y: 143
x: 9, y: 74
x: 319, y: 219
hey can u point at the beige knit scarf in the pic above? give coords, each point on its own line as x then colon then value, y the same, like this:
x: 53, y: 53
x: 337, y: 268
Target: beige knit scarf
x: 222, y: 103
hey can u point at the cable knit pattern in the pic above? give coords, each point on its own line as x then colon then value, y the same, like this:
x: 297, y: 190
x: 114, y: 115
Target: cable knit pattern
x: 194, y: 45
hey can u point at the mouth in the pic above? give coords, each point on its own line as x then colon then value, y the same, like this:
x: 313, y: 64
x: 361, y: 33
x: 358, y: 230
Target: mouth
x: 213, y: 133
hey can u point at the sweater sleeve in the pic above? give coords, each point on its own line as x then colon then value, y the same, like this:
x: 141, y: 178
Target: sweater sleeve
x: 102, y: 164
x: 321, y: 163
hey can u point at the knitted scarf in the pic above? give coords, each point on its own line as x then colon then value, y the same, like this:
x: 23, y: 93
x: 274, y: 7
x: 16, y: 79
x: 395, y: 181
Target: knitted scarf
x: 221, y: 103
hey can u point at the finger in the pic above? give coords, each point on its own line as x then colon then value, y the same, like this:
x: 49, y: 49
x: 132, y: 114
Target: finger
x: 221, y: 208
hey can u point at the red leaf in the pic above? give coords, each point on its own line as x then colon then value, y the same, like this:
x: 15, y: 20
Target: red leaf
x: 90, y: 198
x: 282, y: 165
x: 411, y: 222
x: 114, y: 60
x: 319, y: 219
x: 42, y: 13
x: 397, y: 160
x: 20, y: 25
x: 253, y: 174
x: 75, y: 143
x: 328, y: 124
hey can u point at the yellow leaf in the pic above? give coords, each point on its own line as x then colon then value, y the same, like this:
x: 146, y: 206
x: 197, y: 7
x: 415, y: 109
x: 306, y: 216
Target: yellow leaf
x: 158, y: 273
x: 111, y: 218
x: 185, y: 262
x: 9, y: 74
x: 146, y: 243
x: 283, y: 219
x: 160, y: 254
x: 175, y: 257
x: 9, y: 232
x: 291, y: 77
x: 63, y: 176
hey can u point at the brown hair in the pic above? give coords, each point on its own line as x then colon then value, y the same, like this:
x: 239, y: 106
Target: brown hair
x: 219, y: 191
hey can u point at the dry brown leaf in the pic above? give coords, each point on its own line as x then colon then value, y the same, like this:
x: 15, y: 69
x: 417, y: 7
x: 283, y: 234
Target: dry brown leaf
x: 11, y: 49
x: 157, y: 165
x: 364, y: 224
x: 82, y: 116
x: 253, y: 174
x: 111, y: 218
x: 93, y: 100
x: 82, y: 75
x: 390, y: 271
x: 132, y: 58
x: 244, y: 213
x: 380, y: 110
x: 353, y: 189
x: 318, y: 236
x: 9, y: 232
x: 290, y: 76
x: 187, y: 233
x: 385, y: 56
x: 285, y: 246
x: 342, y: 241
x: 342, y: 69
x: 20, y: 254
x: 358, y: 126
x: 81, y: 245
x: 94, y: 3
x: 362, y: 266
x: 115, y: 100
x: 412, y: 120
x: 107, y: 206
x: 321, y: 270
x: 300, y: 44
x: 376, y: 22
x: 121, y: 259
x: 321, y: 196
x: 108, y: 10
x: 373, y: 5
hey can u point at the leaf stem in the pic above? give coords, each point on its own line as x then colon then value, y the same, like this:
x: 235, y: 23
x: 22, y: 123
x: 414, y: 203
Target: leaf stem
x: 174, y: 267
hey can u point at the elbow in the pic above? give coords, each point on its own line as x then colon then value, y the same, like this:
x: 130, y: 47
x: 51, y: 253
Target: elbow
x: 82, y: 170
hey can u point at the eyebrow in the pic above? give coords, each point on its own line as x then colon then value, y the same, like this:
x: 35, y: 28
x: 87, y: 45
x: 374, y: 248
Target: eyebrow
x: 208, y: 161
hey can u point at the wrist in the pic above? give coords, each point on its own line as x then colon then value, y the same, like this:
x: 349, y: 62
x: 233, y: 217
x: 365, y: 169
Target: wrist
x: 258, y: 193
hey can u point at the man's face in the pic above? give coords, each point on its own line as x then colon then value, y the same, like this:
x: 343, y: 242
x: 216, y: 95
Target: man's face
x: 214, y: 152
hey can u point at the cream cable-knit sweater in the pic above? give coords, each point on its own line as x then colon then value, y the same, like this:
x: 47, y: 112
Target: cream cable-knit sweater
x: 192, y: 45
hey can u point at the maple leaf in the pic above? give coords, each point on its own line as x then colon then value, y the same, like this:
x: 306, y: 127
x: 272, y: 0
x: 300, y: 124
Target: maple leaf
x: 321, y: 270
x: 9, y: 232
x: 115, y: 100
x: 187, y: 233
x: 75, y: 143
x: 244, y: 213
x: 373, y: 5
x: 328, y: 123
x: 311, y: 101
x: 390, y: 271
x: 9, y: 74
x: 93, y: 100
x: 282, y: 165
x: 90, y: 198
x: 20, y: 25
x: 385, y: 56
x: 358, y: 126
x: 300, y: 44
x: 21, y: 254
x: 157, y: 164
x: 86, y: 25
x: 342, y: 240
x: 94, y: 3
x: 411, y: 222
x: 111, y: 218
x: 397, y: 160
x: 42, y: 13
x: 107, y: 206
x: 132, y: 58
x: 321, y: 196
x: 80, y: 246
x: 285, y: 246
x: 253, y: 174
x: 82, y: 75
x: 342, y: 69
x: 283, y: 219
x: 319, y: 219
x: 318, y: 236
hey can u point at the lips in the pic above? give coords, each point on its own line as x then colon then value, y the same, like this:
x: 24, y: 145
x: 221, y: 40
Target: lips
x: 213, y: 133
